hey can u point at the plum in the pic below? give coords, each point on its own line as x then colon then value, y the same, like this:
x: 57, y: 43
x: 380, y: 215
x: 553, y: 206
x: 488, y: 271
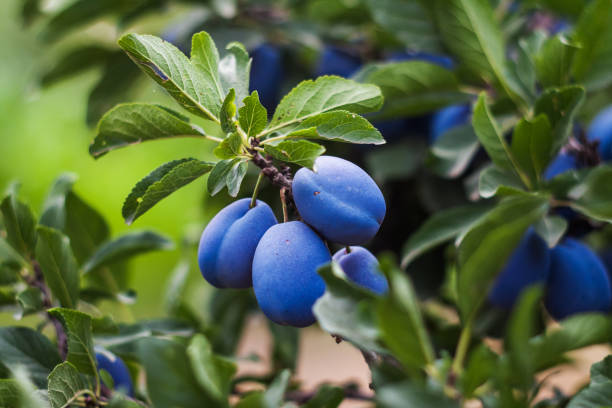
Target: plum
x: 228, y: 243
x: 362, y: 267
x: 529, y: 264
x: 339, y: 200
x: 448, y: 118
x: 285, y: 278
x: 337, y: 61
x: 601, y: 130
x: 562, y: 163
x: 578, y: 281
x: 117, y: 369
x: 267, y: 74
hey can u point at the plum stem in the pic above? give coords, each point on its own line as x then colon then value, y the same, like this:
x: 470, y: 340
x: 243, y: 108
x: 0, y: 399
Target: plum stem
x: 283, y: 198
x: 462, y: 347
x: 348, y: 249
x: 256, y: 190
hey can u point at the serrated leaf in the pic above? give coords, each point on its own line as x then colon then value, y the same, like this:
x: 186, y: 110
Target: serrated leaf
x: 19, y: 224
x: 66, y: 385
x: 205, y: 57
x: 400, y: 321
x: 346, y: 309
x: 414, y: 87
x: 230, y: 147
x: 190, y: 85
x: 133, y: 123
x: 213, y: 373
x: 593, y: 197
x: 327, y: 93
x: 78, y: 329
x: 227, y: 173
x: 253, y: 116
x: 551, y: 228
x: 228, y: 112
x: 160, y: 183
x: 234, y: 70
x: 554, y: 60
x: 126, y: 246
x: 22, y: 346
x: 409, y: 21
x: 560, y: 105
x: 338, y: 126
x: 441, y: 227
x: 58, y: 265
x: 532, y: 145
x: 301, y: 152
x: 493, y: 234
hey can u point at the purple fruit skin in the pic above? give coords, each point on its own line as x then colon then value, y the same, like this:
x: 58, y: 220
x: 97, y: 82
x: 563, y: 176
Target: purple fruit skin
x: 361, y: 267
x: 228, y: 243
x: 339, y: 200
x: 285, y: 278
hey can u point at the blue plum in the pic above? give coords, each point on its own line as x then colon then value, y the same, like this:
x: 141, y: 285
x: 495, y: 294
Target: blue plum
x: 285, y: 278
x: 578, y: 281
x: 448, y: 118
x: 601, y: 130
x: 339, y: 200
x: 228, y: 243
x: 267, y: 74
x: 529, y: 264
x: 362, y: 267
x: 562, y: 163
x: 116, y: 368
x: 337, y: 61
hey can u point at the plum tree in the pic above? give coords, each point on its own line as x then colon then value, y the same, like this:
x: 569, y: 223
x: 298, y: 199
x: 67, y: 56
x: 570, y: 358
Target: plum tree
x: 267, y: 74
x: 117, y: 369
x: 448, y: 118
x: 337, y: 61
x: 339, y: 200
x: 601, y: 130
x: 362, y: 268
x: 529, y: 264
x: 578, y: 281
x: 285, y: 278
x: 228, y: 243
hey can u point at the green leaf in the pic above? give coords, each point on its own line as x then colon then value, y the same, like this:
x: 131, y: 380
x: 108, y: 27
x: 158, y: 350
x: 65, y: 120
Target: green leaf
x: 30, y: 301
x: 495, y: 182
x: 20, y: 225
x: 29, y: 396
x: 271, y: 398
x: 409, y: 21
x: 554, y: 60
x: 227, y: 173
x: 521, y: 328
x: 493, y: 235
x: 593, y: 197
x: 560, y: 105
x: 339, y: 126
x: 452, y: 153
x: 175, y: 287
x: 326, y: 397
x: 326, y: 93
x: 599, y: 391
x: 551, y: 228
x: 126, y: 246
x: 66, y: 385
x: 22, y: 346
x: 234, y: 70
x: 253, y: 117
x: 65, y: 211
x: 441, y: 227
x: 414, y: 87
x: 213, y: 373
x: 286, y: 346
x: 9, y: 393
x: 133, y: 123
x: 400, y: 321
x: 398, y: 161
x: 407, y: 394
x: 227, y: 312
x: 171, y: 370
x: 346, y: 309
x: 205, y: 57
x: 470, y: 31
x: 58, y: 265
x: 160, y: 183
x: 594, y: 34
x: 532, y: 145
x: 491, y: 137
x: 481, y: 367
x: 78, y: 329
x: 300, y: 152
x: 75, y: 61
x: 230, y: 147
x: 228, y: 112
x: 190, y: 85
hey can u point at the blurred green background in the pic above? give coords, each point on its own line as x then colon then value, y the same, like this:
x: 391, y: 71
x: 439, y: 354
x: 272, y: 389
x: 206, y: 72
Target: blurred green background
x: 43, y: 133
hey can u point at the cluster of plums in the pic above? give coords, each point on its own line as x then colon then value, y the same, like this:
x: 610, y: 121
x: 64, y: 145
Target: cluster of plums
x: 243, y: 246
x: 574, y: 278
